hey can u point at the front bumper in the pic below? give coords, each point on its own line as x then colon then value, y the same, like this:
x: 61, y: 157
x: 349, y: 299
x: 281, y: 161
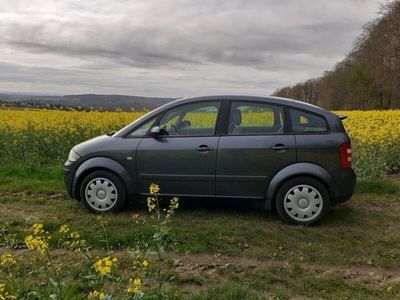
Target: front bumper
x: 68, y: 178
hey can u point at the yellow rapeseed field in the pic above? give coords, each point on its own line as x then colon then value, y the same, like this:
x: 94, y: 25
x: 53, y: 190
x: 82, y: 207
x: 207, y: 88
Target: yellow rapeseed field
x: 44, y: 136
x: 375, y: 136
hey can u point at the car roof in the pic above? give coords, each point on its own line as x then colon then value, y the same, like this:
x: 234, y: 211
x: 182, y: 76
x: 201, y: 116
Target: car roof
x: 270, y: 99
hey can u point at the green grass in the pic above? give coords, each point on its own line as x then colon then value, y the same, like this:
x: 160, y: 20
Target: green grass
x: 24, y: 177
x: 376, y: 186
x: 47, y: 178
x: 226, y: 251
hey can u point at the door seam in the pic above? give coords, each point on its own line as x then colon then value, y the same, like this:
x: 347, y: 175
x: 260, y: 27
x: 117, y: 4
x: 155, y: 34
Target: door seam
x: 215, y: 169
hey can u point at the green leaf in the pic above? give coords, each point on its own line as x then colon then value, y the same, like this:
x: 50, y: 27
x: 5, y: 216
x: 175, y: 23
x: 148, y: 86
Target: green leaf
x: 53, y: 282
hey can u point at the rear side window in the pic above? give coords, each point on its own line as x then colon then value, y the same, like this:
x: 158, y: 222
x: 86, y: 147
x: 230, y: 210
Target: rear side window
x: 255, y: 118
x: 303, y: 122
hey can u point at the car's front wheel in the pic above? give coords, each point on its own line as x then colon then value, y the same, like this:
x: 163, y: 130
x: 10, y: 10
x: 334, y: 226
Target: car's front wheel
x: 302, y: 200
x: 102, y: 192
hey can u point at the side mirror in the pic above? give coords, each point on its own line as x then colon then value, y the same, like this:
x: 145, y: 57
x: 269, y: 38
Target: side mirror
x: 156, y: 130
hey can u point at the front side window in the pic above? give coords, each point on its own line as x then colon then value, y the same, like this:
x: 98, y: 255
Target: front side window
x: 142, y: 129
x: 196, y: 119
x: 303, y: 122
x: 248, y: 118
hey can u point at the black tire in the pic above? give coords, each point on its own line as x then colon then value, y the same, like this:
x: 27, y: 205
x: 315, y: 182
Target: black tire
x: 306, y: 194
x: 109, y: 185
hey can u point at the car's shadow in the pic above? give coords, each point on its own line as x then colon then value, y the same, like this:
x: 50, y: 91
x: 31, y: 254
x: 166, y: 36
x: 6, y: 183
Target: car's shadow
x: 211, y: 204
x: 337, y: 216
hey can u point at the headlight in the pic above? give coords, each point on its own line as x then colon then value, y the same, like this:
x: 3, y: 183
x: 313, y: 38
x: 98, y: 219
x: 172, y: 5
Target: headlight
x: 73, y: 156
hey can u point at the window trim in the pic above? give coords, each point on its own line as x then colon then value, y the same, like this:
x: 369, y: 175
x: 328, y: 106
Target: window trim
x: 222, y: 123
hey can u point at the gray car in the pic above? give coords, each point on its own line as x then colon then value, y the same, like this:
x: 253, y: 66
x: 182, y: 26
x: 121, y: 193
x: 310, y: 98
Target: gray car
x: 292, y: 156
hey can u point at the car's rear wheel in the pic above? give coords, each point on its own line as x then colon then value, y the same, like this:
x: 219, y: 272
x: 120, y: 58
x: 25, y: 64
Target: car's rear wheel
x: 302, y: 200
x: 102, y: 192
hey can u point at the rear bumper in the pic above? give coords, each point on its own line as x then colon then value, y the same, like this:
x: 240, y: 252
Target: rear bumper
x: 343, y: 186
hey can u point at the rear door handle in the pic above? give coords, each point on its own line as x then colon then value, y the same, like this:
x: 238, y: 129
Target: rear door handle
x: 204, y: 148
x: 280, y: 148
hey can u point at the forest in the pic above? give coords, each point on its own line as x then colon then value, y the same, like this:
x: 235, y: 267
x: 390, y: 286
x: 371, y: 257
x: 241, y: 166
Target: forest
x: 368, y: 77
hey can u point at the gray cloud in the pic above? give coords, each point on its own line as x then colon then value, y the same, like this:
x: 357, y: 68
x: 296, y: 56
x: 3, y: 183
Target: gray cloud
x: 175, y: 47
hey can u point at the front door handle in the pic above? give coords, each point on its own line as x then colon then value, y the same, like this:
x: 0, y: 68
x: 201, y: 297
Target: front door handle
x: 280, y: 148
x: 204, y: 148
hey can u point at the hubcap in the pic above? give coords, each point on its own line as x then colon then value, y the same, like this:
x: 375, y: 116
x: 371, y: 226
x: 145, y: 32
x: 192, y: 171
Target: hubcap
x: 101, y: 194
x: 303, y: 203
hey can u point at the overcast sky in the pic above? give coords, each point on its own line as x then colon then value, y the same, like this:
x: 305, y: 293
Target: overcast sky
x: 173, y: 47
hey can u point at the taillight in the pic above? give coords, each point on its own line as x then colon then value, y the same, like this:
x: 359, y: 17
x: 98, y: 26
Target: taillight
x: 345, y: 155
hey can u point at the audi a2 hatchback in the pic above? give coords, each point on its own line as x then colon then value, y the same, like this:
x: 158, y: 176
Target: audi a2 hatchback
x: 293, y: 156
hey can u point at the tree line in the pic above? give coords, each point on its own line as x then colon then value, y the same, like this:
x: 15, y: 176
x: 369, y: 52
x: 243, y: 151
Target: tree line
x: 48, y: 106
x: 40, y: 105
x: 369, y: 76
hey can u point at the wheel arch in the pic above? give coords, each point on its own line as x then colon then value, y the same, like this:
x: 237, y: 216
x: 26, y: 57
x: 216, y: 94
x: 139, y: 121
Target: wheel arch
x: 101, y: 163
x: 296, y: 170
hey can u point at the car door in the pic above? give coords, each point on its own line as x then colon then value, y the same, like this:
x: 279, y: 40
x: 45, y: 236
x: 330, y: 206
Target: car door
x: 182, y: 158
x: 254, y: 148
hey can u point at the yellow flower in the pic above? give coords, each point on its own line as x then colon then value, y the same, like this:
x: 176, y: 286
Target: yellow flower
x: 103, y: 266
x: 64, y: 229
x: 7, y: 259
x: 136, y: 218
x: 37, y: 229
x: 145, y: 263
x: 38, y: 240
x: 134, y: 285
x: 154, y: 188
x: 76, y: 245
x: 96, y: 295
x: 151, y: 203
x: 389, y: 289
x: 74, y: 235
x: 37, y: 243
x: 5, y: 295
x: 174, y: 204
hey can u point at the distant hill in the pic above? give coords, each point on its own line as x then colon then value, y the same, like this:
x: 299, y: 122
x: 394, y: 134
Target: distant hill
x: 86, y: 101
